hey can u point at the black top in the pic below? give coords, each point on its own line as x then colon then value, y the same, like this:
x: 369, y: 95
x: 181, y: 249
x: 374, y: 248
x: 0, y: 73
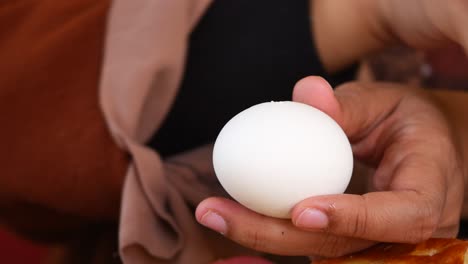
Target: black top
x: 241, y: 53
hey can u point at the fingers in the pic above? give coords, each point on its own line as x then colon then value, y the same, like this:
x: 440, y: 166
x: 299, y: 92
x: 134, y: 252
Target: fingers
x: 380, y: 216
x: 408, y: 212
x: 357, y: 108
x: 385, y: 125
x: 276, y: 236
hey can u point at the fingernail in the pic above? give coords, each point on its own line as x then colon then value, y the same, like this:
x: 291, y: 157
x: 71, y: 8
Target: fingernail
x: 214, y: 221
x: 313, y: 219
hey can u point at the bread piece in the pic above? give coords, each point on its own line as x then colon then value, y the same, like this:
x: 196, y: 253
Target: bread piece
x: 432, y: 251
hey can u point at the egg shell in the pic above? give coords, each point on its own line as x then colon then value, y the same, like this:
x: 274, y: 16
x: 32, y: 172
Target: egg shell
x: 273, y: 155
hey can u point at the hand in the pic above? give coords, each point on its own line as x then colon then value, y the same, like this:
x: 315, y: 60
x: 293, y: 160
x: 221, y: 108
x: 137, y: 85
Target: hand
x: 425, y: 24
x: 369, y: 26
x: 418, y: 181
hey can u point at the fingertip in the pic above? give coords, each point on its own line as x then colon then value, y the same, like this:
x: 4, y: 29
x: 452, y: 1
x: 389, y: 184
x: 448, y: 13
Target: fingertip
x: 204, y: 206
x: 319, y: 208
x: 209, y: 216
x: 296, y: 212
x: 217, y: 204
x: 317, y: 92
x: 309, y: 87
x: 311, y: 213
x: 311, y: 219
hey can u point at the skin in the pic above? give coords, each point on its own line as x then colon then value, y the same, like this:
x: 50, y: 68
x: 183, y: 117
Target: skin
x: 424, y: 25
x: 418, y: 191
x: 455, y: 108
x: 416, y: 140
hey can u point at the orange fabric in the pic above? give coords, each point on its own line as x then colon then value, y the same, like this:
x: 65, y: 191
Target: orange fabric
x: 56, y: 153
x: 16, y: 250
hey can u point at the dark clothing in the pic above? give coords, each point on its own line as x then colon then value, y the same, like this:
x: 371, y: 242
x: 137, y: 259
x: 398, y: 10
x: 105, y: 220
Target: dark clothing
x: 241, y: 53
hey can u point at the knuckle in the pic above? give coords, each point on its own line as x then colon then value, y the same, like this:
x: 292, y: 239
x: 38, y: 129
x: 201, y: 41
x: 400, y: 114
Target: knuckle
x: 423, y: 234
x: 330, y: 247
x: 255, y: 240
x: 358, y: 227
x: 426, y: 233
x: 429, y: 220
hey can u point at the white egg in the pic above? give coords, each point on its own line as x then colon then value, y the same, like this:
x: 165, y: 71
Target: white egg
x: 272, y: 155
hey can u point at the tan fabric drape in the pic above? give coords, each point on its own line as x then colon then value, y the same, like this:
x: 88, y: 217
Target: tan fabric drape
x: 144, y: 56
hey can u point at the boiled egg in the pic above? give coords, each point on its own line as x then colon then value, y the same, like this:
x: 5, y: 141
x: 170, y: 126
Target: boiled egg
x: 273, y: 155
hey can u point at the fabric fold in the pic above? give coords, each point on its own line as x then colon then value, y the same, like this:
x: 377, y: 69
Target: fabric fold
x: 144, y: 55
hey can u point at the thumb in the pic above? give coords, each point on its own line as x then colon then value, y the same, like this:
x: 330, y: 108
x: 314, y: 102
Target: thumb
x: 317, y: 92
x: 356, y: 107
